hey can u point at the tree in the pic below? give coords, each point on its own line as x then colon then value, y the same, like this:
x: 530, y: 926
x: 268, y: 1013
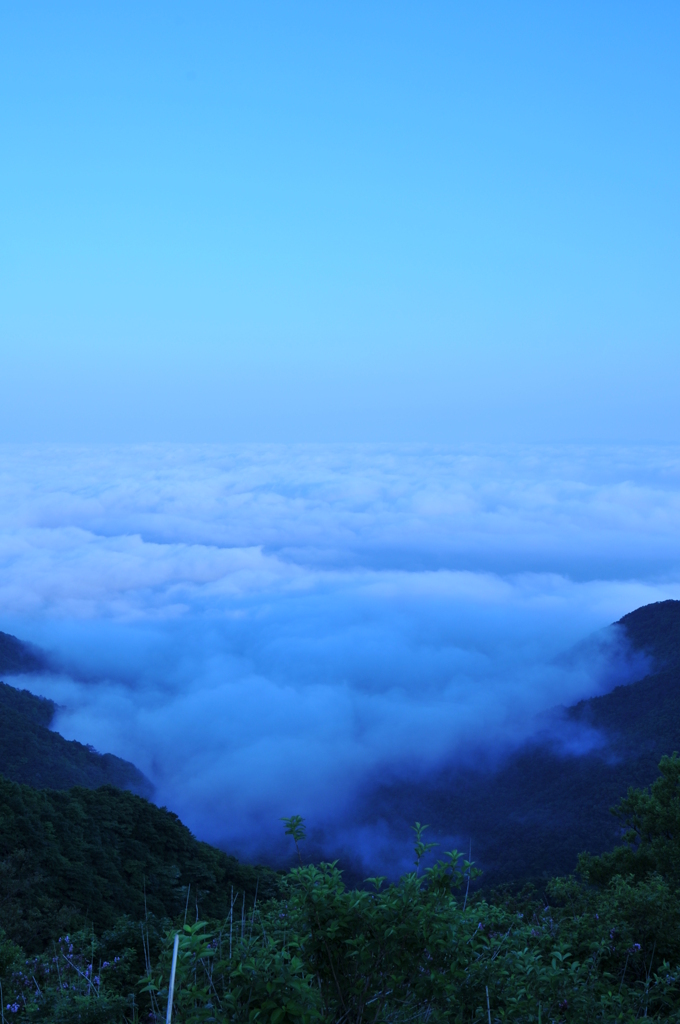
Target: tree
x: 652, y: 838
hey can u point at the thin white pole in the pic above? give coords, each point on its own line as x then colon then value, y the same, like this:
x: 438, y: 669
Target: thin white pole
x: 171, y: 986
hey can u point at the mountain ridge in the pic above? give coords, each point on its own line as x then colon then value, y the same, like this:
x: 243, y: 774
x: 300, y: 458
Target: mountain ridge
x: 532, y: 815
x: 33, y: 754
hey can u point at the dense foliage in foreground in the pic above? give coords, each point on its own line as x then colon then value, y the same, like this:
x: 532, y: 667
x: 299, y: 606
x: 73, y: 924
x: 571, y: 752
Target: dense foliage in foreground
x: 602, y: 947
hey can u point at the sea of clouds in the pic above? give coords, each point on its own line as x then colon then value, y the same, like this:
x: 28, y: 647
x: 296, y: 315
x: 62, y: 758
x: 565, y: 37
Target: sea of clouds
x: 271, y: 630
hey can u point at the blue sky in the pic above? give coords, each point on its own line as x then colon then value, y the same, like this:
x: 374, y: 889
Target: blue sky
x: 438, y: 222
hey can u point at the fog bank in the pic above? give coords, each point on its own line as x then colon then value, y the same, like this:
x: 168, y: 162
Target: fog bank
x: 267, y: 630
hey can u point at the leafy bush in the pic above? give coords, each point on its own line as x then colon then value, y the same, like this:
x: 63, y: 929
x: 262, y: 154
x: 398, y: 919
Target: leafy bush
x: 652, y: 838
x: 604, y: 947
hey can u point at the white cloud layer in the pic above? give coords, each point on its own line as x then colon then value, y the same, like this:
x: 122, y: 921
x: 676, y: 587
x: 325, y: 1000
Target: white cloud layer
x: 266, y: 630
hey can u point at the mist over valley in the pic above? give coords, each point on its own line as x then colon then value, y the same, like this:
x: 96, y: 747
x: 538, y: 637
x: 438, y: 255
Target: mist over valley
x: 269, y: 630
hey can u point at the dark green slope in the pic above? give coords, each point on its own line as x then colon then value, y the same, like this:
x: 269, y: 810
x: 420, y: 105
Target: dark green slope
x: 539, y: 809
x: 32, y: 754
x: 73, y: 854
x: 82, y: 857
x: 643, y: 720
x: 17, y: 657
x: 655, y: 628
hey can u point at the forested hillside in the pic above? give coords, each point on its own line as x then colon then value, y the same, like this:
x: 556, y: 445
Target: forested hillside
x: 532, y: 816
x: 85, y: 857
x: 31, y: 753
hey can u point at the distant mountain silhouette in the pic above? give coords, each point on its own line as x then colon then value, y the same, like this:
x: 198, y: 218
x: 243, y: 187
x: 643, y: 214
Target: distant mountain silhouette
x: 33, y: 755
x: 541, y: 807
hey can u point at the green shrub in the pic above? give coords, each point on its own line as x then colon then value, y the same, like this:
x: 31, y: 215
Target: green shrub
x: 603, y: 947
